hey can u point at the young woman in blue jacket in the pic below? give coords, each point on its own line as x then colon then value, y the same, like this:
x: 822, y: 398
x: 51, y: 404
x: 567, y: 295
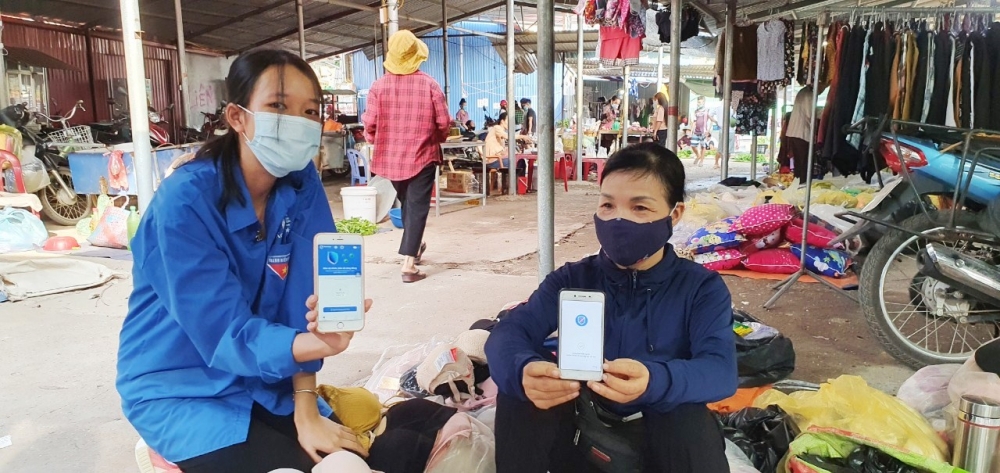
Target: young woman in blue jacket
x: 217, y: 356
x: 668, y: 336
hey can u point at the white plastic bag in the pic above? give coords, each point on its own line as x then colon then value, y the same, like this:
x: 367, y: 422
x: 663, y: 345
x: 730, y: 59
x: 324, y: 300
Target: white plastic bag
x: 738, y: 461
x: 395, y: 362
x: 927, y: 392
x: 20, y: 230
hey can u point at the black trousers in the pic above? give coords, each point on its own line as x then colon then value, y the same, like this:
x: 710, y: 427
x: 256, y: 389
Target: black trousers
x: 661, y: 138
x: 530, y: 440
x: 415, y: 194
x: 799, y: 149
x: 272, y: 443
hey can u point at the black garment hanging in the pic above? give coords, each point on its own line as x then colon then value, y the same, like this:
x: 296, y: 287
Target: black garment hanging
x: 690, y: 21
x: 938, y: 110
x: 983, y: 75
x: 920, y: 82
x: 993, y: 82
x: 965, y: 97
x: 849, y: 85
x: 877, y: 82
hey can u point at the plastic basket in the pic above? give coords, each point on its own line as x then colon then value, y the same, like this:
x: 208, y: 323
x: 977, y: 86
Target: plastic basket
x: 76, y: 134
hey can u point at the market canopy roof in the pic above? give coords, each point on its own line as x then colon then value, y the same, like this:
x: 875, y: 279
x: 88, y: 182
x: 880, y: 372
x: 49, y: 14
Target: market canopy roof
x: 339, y: 26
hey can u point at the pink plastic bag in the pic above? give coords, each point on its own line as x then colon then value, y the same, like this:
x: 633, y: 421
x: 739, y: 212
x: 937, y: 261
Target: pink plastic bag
x: 112, y: 229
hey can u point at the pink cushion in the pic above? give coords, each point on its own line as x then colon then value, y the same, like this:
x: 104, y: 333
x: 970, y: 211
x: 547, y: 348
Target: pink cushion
x: 763, y: 219
x: 720, y: 260
x: 771, y: 240
x: 818, y: 236
x: 774, y: 261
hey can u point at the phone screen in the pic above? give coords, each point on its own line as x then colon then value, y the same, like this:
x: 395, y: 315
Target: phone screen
x: 581, y: 334
x: 340, y: 283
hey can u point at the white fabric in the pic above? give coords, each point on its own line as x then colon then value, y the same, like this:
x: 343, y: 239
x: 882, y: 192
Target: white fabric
x: 950, y: 117
x: 771, y: 51
x: 972, y: 86
x: 931, y: 47
x: 44, y: 276
x: 24, y: 201
x: 798, y: 124
x: 652, y: 38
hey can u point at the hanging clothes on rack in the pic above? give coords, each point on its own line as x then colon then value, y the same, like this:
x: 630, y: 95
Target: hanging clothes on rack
x: 943, y: 55
x: 992, y: 82
x: 877, y: 82
x: 621, y: 33
x: 771, y: 51
x: 789, y: 52
x: 745, y: 53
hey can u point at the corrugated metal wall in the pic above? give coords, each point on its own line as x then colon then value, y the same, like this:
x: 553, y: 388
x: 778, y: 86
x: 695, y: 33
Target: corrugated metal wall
x: 483, y: 76
x: 107, y: 59
x: 65, y: 86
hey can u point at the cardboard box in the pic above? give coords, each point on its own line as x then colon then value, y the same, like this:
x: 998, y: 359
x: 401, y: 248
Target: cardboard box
x: 459, y: 181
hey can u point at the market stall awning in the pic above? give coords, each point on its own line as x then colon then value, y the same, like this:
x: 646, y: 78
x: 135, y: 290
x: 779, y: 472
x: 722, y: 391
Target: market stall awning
x: 31, y: 57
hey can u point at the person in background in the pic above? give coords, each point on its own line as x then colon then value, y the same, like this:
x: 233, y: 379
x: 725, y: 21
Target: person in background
x: 217, y: 355
x: 684, y: 142
x: 798, y: 134
x: 530, y: 126
x: 659, y: 125
x: 503, y: 106
x: 701, y: 120
x: 518, y: 115
x: 669, y: 341
x: 407, y: 119
x: 609, y: 115
x: 469, y: 130
x: 462, y: 116
x: 495, y: 150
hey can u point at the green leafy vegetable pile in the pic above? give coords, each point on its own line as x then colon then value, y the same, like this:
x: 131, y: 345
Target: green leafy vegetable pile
x: 357, y: 225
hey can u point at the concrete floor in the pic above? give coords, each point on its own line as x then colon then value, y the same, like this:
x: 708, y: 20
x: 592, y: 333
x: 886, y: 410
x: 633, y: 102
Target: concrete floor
x: 57, y: 354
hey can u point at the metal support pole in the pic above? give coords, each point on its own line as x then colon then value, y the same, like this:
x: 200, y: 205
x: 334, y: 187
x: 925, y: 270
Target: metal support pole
x: 182, y: 59
x: 4, y: 91
x: 135, y: 75
x: 727, y: 88
x: 675, y: 73
x: 623, y: 116
x: 461, y: 69
x: 579, y: 99
x: 546, y: 139
x: 773, y: 129
x: 659, y: 68
x: 787, y: 284
x: 444, y: 48
x: 512, y: 147
x: 753, y: 155
x: 302, y: 28
x: 392, y: 7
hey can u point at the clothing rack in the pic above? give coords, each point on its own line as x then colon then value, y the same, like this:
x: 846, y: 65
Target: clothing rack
x: 786, y: 285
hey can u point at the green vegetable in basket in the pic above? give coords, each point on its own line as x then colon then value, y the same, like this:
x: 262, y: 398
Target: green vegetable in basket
x: 357, y: 225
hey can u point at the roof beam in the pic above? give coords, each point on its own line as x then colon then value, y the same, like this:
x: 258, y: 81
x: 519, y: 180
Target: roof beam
x: 416, y: 32
x: 256, y: 11
x: 705, y: 10
x: 790, y: 8
x: 319, y: 21
x: 345, y: 3
x: 559, y: 8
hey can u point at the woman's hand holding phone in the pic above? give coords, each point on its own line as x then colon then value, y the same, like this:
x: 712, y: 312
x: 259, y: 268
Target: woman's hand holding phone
x: 544, y: 388
x: 625, y: 381
x: 337, y: 341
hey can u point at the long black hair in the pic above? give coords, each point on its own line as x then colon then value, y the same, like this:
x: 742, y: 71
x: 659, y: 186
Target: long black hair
x: 242, y: 78
x: 650, y: 159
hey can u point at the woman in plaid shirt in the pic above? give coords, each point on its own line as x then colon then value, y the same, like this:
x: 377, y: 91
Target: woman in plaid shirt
x: 407, y: 119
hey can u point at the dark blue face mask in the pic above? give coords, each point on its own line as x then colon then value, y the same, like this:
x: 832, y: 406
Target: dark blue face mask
x: 628, y: 243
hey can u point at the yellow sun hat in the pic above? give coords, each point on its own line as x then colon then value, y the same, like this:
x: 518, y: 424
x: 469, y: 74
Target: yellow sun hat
x: 406, y: 53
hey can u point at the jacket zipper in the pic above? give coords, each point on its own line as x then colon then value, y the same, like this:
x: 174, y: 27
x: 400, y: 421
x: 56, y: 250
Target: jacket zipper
x: 631, y: 303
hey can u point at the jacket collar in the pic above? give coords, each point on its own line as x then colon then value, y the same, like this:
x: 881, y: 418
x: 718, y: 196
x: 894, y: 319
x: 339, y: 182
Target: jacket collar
x: 651, y: 277
x: 240, y: 216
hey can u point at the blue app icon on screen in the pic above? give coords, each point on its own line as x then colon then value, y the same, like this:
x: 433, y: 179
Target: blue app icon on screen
x: 581, y: 320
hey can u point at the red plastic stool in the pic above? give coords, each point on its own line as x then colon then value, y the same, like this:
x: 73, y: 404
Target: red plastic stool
x: 9, y: 161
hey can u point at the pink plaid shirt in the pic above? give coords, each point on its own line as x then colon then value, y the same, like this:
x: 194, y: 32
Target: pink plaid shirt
x: 406, y: 118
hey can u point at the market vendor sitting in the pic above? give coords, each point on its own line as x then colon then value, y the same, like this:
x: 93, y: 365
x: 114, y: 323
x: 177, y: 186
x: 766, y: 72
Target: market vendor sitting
x: 495, y: 150
x: 668, y: 338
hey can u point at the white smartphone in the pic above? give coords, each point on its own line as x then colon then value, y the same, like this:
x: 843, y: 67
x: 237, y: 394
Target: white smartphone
x: 581, y: 335
x: 339, y: 281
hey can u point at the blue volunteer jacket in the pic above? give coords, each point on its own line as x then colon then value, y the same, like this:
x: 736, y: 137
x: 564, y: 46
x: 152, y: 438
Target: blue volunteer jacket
x: 676, y: 318
x: 213, y: 312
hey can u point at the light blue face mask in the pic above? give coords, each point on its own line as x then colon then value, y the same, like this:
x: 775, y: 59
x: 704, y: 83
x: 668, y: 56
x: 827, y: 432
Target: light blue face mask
x: 283, y: 143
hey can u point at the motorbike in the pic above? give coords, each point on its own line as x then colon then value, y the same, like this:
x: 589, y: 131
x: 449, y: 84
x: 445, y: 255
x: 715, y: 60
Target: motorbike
x: 119, y: 129
x: 930, y: 284
x: 213, y: 124
x: 47, y: 174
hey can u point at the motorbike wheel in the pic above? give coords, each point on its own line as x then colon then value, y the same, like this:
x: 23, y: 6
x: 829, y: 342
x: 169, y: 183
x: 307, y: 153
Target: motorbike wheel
x: 58, y: 212
x: 914, y: 316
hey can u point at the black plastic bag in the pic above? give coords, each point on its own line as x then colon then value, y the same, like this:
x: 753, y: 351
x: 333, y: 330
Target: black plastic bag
x: 863, y: 460
x: 762, y: 434
x: 765, y: 361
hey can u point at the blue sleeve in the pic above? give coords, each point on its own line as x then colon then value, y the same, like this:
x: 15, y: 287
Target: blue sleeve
x: 311, y: 214
x: 710, y: 375
x: 517, y: 339
x: 203, y: 295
